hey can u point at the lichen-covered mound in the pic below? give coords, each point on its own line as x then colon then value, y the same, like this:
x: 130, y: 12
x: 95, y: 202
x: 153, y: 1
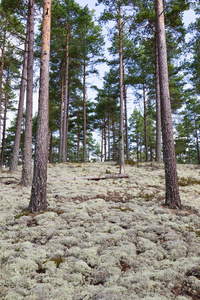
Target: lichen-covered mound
x: 108, y: 239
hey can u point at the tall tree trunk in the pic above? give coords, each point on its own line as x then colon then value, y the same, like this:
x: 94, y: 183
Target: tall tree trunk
x: 121, y: 130
x: 197, y: 139
x: 61, y: 120
x: 108, y: 129
x: 27, y: 156
x: 15, y: 153
x: 50, y: 146
x: 105, y: 144
x: 78, y: 138
x: 38, y: 193
x: 190, y: 161
x: 145, y: 124
x: 84, y: 111
x: 158, y: 109
x: 140, y: 149
x: 102, y: 134
x: 1, y: 72
x: 180, y: 155
x: 66, y: 104
x: 114, y: 143
x: 171, y: 178
x: 137, y: 142
x: 126, y: 118
x: 4, y: 122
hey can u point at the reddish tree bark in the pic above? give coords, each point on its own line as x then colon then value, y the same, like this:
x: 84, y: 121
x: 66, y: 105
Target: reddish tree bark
x: 38, y: 200
x: 171, y: 179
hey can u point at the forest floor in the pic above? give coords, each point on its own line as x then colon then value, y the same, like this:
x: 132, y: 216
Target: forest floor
x: 110, y: 239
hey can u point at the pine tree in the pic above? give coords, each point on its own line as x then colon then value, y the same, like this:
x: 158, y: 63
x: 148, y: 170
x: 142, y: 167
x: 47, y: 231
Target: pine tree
x: 38, y: 193
x: 27, y: 156
x: 172, y: 191
x: 15, y: 153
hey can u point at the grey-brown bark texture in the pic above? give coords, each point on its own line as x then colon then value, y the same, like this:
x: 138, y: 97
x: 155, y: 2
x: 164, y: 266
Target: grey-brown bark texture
x: 4, y: 122
x: 27, y: 151
x: 126, y: 118
x: 1, y: 72
x: 15, y: 153
x: 121, y: 130
x: 158, y: 109
x: 66, y: 102
x: 38, y: 193
x: 108, y: 129
x: 84, y: 111
x: 145, y: 123
x: 171, y: 178
x: 61, y: 120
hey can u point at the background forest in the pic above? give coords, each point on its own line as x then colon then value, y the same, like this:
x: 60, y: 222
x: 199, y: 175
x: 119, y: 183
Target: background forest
x: 77, y: 52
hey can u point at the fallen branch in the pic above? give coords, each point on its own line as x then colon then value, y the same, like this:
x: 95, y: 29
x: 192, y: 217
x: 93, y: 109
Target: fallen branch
x: 5, y: 177
x: 7, y: 182
x: 100, y: 177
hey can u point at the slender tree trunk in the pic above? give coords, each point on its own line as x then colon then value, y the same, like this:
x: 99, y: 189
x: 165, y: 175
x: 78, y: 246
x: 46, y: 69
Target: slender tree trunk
x: 114, y: 143
x: 38, y: 200
x: 158, y: 110
x: 171, y: 178
x: 78, y: 139
x: 137, y: 142
x: 126, y: 118
x: 4, y: 122
x: 108, y: 129
x: 151, y: 151
x: 190, y: 161
x: 50, y: 146
x: 84, y: 111
x: 102, y: 134
x: 1, y: 72
x: 197, y: 139
x: 145, y: 124
x: 66, y: 105
x: 121, y: 130
x: 27, y: 156
x: 61, y: 120
x: 105, y: 144
x: 180, y: 149
x: 15, y: 153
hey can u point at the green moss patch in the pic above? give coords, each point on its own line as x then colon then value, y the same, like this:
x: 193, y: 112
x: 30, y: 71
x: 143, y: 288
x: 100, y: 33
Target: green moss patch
x: 56, y: 260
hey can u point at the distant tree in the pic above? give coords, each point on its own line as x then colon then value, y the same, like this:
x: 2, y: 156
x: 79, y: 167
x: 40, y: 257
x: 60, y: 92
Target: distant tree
x: 27, y: 155
x: 11, y: 30
x: 112, y: 12
x: 92, y: 42
x: 15, y: 153
x: 136, y: 135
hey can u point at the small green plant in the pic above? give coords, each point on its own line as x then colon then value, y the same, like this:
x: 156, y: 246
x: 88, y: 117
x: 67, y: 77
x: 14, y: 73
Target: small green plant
x: 17, y: 249
x: 24, y: 212
x: 108, y: 172
x: 56, y: 260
